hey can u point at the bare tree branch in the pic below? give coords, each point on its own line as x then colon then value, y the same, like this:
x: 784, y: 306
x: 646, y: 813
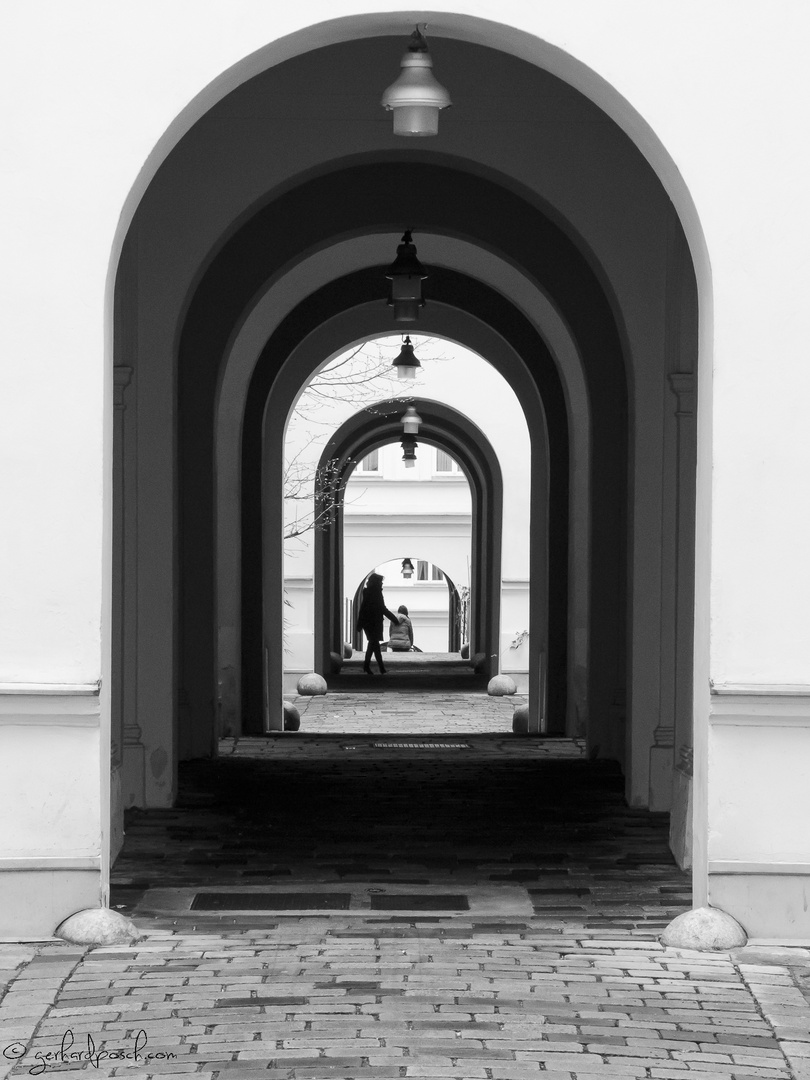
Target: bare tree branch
x: 362, y: 377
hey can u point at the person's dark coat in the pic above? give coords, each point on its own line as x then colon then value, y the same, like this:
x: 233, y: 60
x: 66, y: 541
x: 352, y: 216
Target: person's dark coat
x: 373, y: 611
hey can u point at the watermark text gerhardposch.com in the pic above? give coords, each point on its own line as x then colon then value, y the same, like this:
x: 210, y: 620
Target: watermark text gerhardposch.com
x: 71, y: 1051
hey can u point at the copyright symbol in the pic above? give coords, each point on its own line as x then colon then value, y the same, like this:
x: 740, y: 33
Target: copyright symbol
x: 13, y: 1051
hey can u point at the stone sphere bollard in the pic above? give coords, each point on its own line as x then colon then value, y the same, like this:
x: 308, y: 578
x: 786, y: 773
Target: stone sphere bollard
x: 335, y: 663
x: 465, y: 651
x: 520, y: 720
x: 98, y: 926
x: 704, y: 929
x: 292, y: 717
x: 311, y: 685
x: 499, y: 685
x: 479, y: 662
x: 347, y: 651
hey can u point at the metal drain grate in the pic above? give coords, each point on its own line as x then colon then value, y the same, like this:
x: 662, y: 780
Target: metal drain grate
x: 419, y: 902
x: 287, y: 901
x: 421, y: 745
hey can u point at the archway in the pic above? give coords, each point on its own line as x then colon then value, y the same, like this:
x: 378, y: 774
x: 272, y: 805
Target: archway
x: 446, y: 428
x: 612, y: 264
x: 362, y: 323
x: 426, y: 639
x: 512, y: 335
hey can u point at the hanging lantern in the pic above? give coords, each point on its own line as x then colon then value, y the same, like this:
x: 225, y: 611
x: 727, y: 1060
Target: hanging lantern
x: 406, y: 364
x: 406, y: 275
x: 416, y: 97
x: 407, y: 568
x: 411, y: 421
x: 409, y: 445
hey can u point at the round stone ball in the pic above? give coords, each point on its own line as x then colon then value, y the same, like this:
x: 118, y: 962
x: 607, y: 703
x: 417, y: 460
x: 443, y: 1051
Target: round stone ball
x: 520, y: 720
x: 704, y: 929
x: 465, y: 651
x: 479, y: 662
x: 499, y: 685
x: 311, y: 685
x: 335, y: 663
x: 292, y: 717
x: 98, y: 926
x: 347, y: 651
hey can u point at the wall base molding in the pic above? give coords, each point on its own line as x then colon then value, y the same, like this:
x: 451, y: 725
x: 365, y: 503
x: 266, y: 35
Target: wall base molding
x: 760, y: 689
x: 36, y: 863
x: 758, y: 807
x: 741, y: 866
x: 768, y: 904
x: 784, y: 706
x: 50, y: 704
x: 33, y: 902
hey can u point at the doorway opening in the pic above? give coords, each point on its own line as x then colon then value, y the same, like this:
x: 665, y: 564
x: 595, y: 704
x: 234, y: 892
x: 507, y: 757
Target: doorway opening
x: 581, y: 293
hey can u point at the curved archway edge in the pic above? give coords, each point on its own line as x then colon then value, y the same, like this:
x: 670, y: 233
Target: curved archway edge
x: 471, y: 28
x: 198, y: 345
x: 446, y: 428
x: 269, y: 310
x: 277, y: 400
x: 277, y: 342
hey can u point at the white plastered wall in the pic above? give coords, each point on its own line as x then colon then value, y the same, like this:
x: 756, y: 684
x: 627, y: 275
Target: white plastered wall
x: 731, y: 144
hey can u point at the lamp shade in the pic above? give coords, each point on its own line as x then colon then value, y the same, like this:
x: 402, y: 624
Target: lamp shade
x: 409, y: 445
x: 411, y: 421
x: 406, y: 275
x: 406, y: 364
x: 416, y: 97
x: 407, y: 568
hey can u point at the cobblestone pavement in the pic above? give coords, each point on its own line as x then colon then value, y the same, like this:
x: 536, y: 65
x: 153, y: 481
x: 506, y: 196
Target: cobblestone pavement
x: 386, y: 713
x: 421, y: 910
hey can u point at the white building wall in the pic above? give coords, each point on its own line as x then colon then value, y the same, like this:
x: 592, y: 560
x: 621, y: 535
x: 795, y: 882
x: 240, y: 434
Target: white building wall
x: 414, y: 513
x: 71, y: 100
x: 93, y: 88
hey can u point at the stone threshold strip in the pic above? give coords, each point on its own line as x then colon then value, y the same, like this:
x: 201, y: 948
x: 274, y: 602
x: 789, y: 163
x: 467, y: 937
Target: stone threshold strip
x: 355, y: 900
x: 416, y: 746
x: 326, y: 901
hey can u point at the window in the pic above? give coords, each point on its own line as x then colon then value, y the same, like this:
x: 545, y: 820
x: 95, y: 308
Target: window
x: 445, y: 464
x: 426, y: 571
x: 371, y: 462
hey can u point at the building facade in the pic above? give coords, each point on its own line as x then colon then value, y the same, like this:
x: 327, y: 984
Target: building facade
x: 199, y: 201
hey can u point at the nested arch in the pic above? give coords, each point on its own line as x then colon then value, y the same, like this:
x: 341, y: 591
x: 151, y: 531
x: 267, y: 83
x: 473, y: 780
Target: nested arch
x: 525, y: 306
x: 449, y: 430
x: 251, y: 228
x: 387, y: 27
x: 549, y: 469
x: 586, y: 310
x: 454, y: 636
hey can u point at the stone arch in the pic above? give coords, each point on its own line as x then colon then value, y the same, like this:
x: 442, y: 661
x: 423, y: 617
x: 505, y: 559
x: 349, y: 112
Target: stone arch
x: 348, y: 329
x: 203, y: 304
x: 347, y: 292
x: 451, y: 431
x: 549, y: 467
x: 355, y: 639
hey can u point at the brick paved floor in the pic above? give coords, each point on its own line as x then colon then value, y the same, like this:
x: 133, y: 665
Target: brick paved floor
x: 389, y: 713
x: 546, y: 965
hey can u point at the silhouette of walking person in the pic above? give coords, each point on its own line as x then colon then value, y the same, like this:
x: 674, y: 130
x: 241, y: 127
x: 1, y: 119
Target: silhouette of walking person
x: 370, y: 620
